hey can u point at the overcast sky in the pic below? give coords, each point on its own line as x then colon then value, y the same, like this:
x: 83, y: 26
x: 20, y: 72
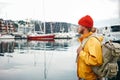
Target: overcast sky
x: 58, y: 10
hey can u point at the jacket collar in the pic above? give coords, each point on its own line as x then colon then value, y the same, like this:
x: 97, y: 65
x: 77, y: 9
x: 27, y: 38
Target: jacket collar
x: 85, y: 36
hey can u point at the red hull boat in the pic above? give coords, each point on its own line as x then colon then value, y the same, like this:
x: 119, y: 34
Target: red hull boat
x: 41, y: 37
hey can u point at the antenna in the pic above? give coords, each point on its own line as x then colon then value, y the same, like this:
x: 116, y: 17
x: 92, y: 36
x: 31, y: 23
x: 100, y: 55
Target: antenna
x: 119, y: 8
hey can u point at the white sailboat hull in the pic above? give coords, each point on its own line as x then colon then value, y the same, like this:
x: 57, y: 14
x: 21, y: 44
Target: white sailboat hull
x: 7, y: 37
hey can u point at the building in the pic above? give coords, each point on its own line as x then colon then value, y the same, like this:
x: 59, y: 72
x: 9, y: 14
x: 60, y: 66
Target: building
x: 6, y: 26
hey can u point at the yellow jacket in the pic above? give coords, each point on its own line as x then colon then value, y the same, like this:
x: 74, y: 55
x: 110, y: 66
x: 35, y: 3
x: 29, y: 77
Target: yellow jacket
x: 91, y: 55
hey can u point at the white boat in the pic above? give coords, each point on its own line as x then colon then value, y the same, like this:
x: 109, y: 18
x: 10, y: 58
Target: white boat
x: 7, y: 40
x: 6, y: 36
x: 111, y: 33
x: 63, y: 36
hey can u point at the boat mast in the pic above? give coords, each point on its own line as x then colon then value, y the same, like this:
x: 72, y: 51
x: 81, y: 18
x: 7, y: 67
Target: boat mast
x: 119, y: 8
x: 40, y: 26
x: 44, y: 25
x: 51, y: 27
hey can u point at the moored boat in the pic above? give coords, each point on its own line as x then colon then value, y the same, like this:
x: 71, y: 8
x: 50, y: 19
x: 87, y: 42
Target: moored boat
x: 41, y: 37
x: 6, y: 36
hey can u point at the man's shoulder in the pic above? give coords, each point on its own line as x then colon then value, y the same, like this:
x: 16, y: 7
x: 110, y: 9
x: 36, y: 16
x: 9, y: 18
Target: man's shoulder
x: 94, y: 39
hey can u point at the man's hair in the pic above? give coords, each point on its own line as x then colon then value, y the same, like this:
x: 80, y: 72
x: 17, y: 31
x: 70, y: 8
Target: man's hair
x: 89, y: 29
x: 93, y: 29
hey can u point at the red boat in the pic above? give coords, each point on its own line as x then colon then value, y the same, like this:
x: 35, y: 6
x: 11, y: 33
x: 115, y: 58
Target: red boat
x: 41, y: 37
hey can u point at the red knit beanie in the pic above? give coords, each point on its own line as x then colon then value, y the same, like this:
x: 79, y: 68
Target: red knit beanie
x: 86, y: 21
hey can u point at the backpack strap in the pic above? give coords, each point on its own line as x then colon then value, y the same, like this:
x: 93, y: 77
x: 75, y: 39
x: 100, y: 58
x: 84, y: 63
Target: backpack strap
x: 85, y: 40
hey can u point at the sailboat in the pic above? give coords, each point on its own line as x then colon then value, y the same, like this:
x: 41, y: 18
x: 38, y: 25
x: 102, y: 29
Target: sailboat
x: 42, y: 36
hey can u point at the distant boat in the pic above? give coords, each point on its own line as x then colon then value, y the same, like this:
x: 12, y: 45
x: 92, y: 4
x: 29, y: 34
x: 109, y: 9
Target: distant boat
x: 63, y: 36
x: 111, y: 33
x: 6, y: 36
x: 6, y: 40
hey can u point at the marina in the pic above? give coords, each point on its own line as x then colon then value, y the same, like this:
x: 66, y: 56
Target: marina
x: 37, y: 30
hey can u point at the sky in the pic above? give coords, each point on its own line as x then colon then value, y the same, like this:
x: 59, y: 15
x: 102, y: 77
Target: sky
x: 58, y: 10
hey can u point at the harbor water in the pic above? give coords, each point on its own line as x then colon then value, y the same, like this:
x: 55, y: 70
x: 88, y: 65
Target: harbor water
x: 37, y: 60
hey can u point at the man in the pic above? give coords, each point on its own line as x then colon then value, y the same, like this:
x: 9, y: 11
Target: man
x: 91, y: 54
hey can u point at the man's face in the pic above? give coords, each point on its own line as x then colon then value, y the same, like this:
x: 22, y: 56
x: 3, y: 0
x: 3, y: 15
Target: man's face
x: 80, y: 29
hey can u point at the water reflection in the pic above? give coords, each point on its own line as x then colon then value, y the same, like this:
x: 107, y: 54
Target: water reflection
x: 6, y: 47
x: 60, y: 45
x: 21, y: 45
x: 37, y: 60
